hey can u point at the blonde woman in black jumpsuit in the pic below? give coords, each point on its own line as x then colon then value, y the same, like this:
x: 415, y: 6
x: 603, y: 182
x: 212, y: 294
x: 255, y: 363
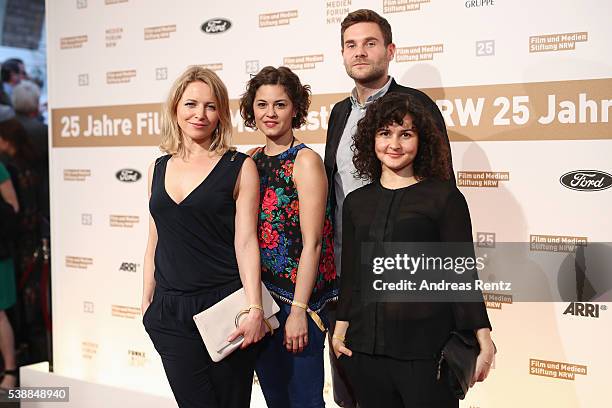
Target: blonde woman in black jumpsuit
x: 204, y: 202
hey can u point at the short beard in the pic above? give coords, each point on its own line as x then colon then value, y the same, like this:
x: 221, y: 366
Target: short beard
x: 377, y: 73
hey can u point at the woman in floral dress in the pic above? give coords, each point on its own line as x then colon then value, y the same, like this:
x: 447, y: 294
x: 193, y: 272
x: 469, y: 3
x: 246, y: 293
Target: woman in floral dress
x: 295, y: 239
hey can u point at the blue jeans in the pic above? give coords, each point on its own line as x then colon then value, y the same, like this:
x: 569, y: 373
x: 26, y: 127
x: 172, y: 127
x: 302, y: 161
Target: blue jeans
x: 292, y: 380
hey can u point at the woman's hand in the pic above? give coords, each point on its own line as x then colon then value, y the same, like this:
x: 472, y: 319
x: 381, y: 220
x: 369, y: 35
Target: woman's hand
x: 340, y: 348
x: 485, y: 358
x: 252, y: 328
x: 296, y: 330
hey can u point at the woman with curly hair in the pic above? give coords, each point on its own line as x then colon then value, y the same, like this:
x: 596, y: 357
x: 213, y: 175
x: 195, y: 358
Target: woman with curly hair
x: 295, y: 239
x: 389, y: 350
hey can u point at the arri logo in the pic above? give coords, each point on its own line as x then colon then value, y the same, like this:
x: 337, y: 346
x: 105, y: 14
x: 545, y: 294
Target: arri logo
x: 584, y: 309
x: 216, y: 26
x: 128, y: 266
x: 586, y: 180
x: 128, y: 175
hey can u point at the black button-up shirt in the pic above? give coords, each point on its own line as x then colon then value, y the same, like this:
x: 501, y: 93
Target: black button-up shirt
x: 429, y: 211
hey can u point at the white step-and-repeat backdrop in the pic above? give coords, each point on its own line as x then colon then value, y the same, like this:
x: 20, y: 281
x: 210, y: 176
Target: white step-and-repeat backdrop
x: 525, y: 88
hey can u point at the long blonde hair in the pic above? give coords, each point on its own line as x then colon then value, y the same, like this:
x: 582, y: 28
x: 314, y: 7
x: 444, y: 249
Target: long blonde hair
x: 171, y: 135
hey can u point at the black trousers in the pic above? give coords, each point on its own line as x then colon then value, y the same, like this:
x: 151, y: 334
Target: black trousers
x: 380, y: 381
x: 195, y: 379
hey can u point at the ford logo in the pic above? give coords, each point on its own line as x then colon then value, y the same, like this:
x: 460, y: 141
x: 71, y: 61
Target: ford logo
x: 586, y: 180
x: 128, y: 175
x: 216, y: 25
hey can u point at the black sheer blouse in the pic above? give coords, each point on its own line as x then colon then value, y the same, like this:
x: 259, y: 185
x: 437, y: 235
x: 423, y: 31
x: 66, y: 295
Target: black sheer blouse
x: 429, y: 211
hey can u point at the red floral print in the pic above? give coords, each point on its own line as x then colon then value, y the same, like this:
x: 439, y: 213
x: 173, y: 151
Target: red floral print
x: 293, y: 208
x: 326, y: 266
x: 268, y: 238
x: 293, y: 275
x: 279, y: 233
x: 269, y: 201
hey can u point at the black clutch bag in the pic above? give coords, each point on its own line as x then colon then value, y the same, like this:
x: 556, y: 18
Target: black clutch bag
x: 458, y: 361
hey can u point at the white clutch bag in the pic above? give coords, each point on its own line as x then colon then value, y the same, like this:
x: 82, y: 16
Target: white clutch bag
x: 216, y: 323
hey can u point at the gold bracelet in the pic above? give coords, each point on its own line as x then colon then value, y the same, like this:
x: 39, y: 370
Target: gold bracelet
x: 254, y: 306
x: 299, y: 304
x: 239, y: 315
x: 338, y: 337
x: 313, y: 315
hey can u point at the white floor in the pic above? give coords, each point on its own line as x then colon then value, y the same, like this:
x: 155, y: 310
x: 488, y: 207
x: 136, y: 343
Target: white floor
x: 85, y: 394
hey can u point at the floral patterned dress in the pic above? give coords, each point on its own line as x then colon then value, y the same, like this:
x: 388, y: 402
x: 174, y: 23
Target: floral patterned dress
x: 280, y: 236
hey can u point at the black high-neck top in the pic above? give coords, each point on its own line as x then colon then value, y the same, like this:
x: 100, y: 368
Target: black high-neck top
x: 429, y: 211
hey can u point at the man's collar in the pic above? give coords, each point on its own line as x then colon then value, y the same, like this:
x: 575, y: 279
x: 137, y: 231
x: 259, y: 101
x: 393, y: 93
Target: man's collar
x: 380, y: 92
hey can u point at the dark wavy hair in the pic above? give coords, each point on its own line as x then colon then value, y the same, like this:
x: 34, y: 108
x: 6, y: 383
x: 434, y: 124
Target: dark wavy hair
x: 10, y: 66
x: 298, y: 94
x: 433, y: 155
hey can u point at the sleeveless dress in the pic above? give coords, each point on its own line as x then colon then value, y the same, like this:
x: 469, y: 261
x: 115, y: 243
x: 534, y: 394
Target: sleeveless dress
x: 195, y: 267
x: 280, y: 236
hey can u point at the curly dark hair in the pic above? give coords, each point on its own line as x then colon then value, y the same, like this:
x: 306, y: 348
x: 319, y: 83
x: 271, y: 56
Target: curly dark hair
x: 298, y: 94
x: 433, y: 155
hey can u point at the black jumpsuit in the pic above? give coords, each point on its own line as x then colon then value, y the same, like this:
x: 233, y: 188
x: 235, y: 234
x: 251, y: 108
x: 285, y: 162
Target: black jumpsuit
x: 195, y: 267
